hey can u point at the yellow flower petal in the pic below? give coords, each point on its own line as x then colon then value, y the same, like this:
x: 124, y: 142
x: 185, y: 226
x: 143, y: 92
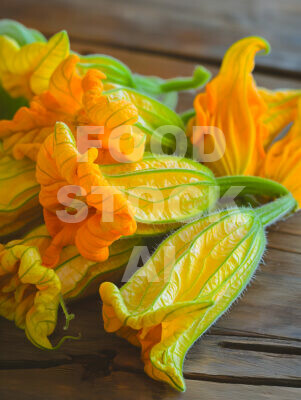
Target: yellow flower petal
x: 233, y: 104
x: 36, y: 308
x: 25, y: 71
x: 78, y: 101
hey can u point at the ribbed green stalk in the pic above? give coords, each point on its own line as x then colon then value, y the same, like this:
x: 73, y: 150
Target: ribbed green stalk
x: 277, y: 209
x: 252, y: 185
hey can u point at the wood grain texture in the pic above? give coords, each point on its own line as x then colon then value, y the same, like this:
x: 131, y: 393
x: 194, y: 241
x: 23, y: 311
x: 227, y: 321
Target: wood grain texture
x: 195, y: 29
x: 72, y: 382
x: 102, y: 364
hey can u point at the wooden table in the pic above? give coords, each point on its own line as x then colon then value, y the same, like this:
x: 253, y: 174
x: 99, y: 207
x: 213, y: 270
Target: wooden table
x: 253, y: 352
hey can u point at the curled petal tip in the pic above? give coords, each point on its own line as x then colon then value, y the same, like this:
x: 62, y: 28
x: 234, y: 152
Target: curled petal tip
x: 201, y: 74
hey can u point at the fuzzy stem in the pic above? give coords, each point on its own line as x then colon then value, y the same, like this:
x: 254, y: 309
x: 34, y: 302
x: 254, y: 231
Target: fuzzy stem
x: 277, y: 209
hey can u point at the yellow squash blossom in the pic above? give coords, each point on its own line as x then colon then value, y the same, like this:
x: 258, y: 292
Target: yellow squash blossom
x: 191, y: 279
x: 59, y: 167
x: 248, y: 117
x: 77, y: 101
x: 30, y: 293
x: 232, y: 104
x: 25, y: 71
x: 283, y: 160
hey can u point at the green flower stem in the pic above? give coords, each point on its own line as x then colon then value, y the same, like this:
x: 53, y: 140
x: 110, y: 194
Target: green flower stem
x: 157, y: 86
x: 69, y: 317
x: 200, y: 76
x: 64, y: 339
x: 277, y: 209
x: 252, y: 185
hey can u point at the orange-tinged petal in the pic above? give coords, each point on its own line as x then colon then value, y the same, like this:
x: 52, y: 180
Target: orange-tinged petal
x: 125, y: 144
x: 60, y: 164
x: 283, y: 159
x: 23, y: 135
x: 65, y: 86
x: 281, y: 110
x: 233, y: 105
x: 77, y: 101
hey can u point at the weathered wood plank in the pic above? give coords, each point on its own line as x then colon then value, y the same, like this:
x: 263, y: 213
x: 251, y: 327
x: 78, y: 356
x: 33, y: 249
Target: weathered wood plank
x: 196, y: 29
x: 243, y: 357
x: 234, y: 359
x: 82, y: 383
x: 271, y: 304
x: 284, y: 241
x: 214, y: 357
x: 100, y: 359
x: 291, y: 225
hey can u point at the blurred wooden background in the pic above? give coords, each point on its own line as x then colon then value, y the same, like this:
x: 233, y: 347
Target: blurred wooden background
x: 254, y: 352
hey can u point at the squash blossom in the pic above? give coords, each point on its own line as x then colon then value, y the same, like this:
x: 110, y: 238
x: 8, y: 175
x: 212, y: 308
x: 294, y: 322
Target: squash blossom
x: 30, y: 293
x: 249, y: 117
x: 188, y: 283
x: 25, y: 71
x: 78, y: 101
x: 59, y: 167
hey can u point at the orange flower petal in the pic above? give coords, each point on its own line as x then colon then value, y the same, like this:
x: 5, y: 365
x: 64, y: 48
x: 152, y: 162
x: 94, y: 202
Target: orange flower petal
x: 77, y: 101
x: 283, y: 160
x: 60, y: 164
x: 233, y: 105
x: 281, y: 110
